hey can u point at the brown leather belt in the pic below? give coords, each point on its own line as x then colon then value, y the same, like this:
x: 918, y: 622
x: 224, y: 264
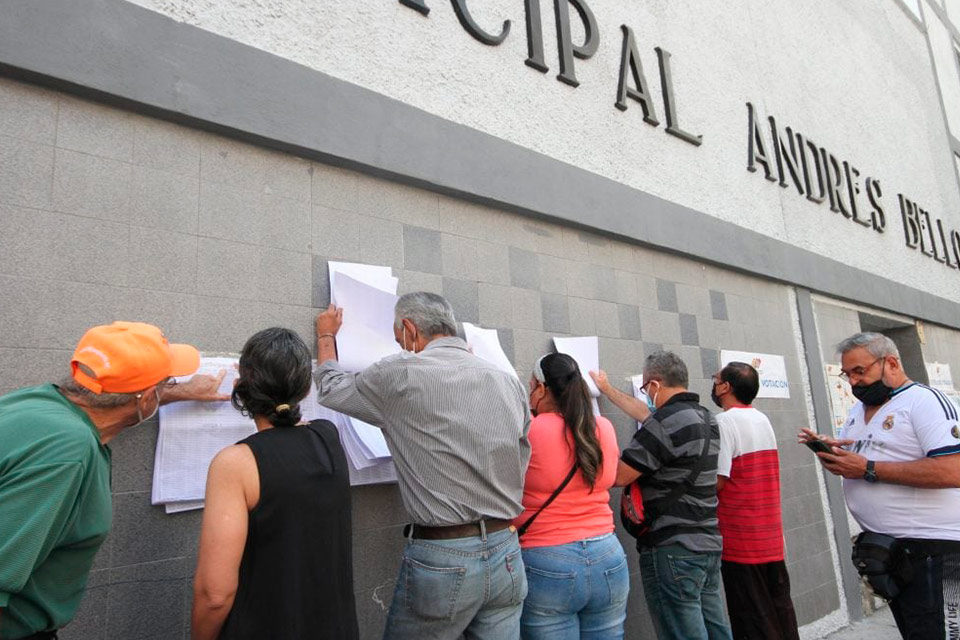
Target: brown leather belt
x: 468, y: 530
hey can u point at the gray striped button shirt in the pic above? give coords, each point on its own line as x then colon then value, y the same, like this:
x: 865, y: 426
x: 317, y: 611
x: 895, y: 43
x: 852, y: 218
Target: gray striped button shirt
x: 455, y: 424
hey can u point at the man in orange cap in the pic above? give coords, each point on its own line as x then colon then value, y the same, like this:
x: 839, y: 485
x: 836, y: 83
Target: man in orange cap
x: 55, y: 502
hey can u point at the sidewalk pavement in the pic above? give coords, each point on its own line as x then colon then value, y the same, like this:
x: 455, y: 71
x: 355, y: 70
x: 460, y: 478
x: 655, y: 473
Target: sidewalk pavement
x: 879, y: 626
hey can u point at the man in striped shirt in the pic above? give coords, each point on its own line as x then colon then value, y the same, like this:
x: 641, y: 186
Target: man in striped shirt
x: 755, y: 577
x: 899, y: 456
x: 675, y: 447
x: 457, y: 428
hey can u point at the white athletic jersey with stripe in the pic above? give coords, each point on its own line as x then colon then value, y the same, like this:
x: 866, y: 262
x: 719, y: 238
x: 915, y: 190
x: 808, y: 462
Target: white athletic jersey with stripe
x: 916, y: 422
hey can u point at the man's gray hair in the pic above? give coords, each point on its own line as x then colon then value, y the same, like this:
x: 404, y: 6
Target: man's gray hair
x: 668, y: 367
x: 876, y: 343
x: 71, y: 387
x: 430, y: 313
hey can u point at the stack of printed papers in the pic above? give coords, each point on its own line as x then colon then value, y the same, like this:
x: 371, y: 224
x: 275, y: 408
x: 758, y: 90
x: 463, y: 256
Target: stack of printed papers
x: 192, y: 433
x: 368, y: 295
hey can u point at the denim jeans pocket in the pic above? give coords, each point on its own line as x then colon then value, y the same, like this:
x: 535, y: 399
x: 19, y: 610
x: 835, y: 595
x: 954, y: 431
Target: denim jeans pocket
x: 518, y: 577
x: 549, y: 591
x: 688, y: 576
x: 618, y: 582
x: 432, y: 592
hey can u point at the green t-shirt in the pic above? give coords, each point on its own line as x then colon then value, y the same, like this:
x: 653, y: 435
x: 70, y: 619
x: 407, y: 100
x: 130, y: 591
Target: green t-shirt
x: 55, y: 508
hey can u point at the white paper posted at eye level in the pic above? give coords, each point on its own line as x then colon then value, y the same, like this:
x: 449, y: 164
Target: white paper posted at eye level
x: 379, y: 277
x: 191, y: 434
x: 366, y: 335
x: 771, y: 367
x: 485, y: 343
x: 586, y: 351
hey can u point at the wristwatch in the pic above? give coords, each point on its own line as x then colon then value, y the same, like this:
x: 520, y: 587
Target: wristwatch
x: 870, y: 475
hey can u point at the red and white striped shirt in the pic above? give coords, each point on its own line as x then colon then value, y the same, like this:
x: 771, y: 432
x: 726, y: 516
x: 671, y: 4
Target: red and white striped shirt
x: 749, y: 504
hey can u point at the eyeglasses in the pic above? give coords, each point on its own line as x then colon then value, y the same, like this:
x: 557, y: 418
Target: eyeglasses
x: 857, y: 371
x: 167, y: 384
x: 644, y: 386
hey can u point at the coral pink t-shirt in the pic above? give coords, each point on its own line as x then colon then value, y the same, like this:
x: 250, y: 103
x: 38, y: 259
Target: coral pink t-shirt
x: 578, y: 512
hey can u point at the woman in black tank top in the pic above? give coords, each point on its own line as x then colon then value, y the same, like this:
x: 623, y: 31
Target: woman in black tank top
x: 275, y: 556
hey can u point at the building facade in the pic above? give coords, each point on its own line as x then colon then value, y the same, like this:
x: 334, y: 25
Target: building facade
x: 768, y: 177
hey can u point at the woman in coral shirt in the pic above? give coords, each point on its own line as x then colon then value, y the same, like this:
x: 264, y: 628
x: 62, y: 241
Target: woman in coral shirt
x: 576, y: 569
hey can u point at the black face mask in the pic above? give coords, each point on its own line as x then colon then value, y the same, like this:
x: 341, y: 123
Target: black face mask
x: 715, y: 397
x: 872, y: 395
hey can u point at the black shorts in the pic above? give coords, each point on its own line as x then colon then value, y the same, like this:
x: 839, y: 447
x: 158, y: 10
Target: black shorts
x: 928, y: 607
x: 758, y: 601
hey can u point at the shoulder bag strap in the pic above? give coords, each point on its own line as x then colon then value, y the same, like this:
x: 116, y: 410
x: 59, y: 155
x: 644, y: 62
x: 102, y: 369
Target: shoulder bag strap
x: 526, y: 525
x: 691, y: 478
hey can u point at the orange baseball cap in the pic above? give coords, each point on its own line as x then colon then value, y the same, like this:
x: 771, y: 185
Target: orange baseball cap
x: 129, y: 356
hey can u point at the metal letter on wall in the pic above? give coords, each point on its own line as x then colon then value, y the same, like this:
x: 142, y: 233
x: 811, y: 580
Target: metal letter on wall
x: 877, y: 216
x: 670, y: 102
x: 834, y: 182
x: 630, y: 65
x: 807, y: 144
x: 535, y: 58
x: 911, y: 226
x: 417, y: 5
x: 755, y: 150
x: 853, y: 190
x: 471, y: 27
x: 786, y: 157
x: 565, y: 45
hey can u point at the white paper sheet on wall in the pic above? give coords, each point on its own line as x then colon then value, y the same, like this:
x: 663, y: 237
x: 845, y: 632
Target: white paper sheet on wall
x: 367, y: 472
x: 841, y: 399
x: 586, y: 351
x: 485, y: 343
x: 939, y: 376
x: 192, y: 433
x: 772, y: 369
x: 366, y: 335
x: 375, y: 276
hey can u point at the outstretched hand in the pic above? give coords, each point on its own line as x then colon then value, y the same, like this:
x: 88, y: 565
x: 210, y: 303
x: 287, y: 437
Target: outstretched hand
x: 199, y: 388
x: 807, y: 435
x: 600, y: 379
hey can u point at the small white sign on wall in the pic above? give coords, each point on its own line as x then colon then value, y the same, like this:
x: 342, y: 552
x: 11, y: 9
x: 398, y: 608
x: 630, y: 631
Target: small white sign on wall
x: 842, y: 399
x: 939, y: 375
x: 772, y: 369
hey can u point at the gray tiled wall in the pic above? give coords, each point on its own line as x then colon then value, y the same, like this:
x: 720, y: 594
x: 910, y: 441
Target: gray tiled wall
x: 107, y: 214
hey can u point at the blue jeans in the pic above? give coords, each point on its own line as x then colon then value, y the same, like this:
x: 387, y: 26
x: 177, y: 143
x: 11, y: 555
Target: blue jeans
x: 682, y: 589
x: 577, y: 590
x: 472, y: 587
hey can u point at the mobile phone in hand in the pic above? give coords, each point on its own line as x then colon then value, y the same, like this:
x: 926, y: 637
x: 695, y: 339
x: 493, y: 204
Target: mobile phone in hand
x: 818, y: 445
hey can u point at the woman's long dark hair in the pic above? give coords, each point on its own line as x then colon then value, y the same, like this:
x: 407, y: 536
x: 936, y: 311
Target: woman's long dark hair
x: 562, y: 377
x: 275, y: 371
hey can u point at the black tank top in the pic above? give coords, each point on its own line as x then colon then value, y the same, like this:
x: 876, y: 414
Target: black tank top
x: 296, y: 575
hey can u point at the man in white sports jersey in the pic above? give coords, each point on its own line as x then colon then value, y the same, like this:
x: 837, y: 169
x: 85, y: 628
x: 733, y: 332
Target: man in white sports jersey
x: 899, y: 456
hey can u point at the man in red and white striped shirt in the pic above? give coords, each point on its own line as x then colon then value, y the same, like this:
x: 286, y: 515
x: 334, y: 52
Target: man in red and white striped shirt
x: 748, y: 488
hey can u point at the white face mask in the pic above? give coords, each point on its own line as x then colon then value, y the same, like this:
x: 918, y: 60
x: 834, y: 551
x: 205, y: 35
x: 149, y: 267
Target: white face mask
x: 404, y: 341
x: 140, y: 418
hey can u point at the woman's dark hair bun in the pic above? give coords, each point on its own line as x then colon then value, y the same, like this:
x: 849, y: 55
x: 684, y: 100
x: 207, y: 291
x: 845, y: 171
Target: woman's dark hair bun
x: 275, y: 375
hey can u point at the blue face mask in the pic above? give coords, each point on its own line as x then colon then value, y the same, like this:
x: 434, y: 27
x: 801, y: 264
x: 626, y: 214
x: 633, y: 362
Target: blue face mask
x: 650, y: 403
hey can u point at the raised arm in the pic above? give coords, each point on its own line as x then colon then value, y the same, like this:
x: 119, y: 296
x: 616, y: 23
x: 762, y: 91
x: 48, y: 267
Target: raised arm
x: 628, y: 404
